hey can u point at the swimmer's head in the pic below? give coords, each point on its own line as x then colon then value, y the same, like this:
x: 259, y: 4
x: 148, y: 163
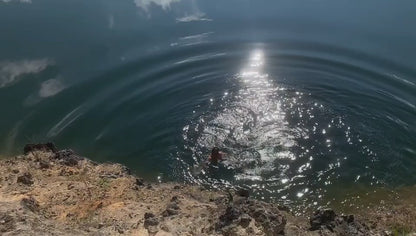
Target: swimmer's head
x: 215, y: 151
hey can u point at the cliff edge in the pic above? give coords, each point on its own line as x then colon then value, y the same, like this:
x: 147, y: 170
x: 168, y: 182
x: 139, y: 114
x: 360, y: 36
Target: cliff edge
x: 57, y: 192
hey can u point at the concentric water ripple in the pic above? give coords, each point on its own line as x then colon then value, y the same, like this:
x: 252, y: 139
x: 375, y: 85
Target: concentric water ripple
x: 293, y: 125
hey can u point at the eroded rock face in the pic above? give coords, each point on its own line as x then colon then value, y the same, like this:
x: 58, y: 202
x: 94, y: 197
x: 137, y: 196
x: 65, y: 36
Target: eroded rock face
x: 323, y: 217
x: 242, y: 211
x: 172, y: 208
x: 26, y: 179
x: 326, y: 220
x: 150, y: 220
x: 30, y: 203
x: 230, y: 216
x: 44, y: 164
x: 7, y: 223
x: 68, y: 157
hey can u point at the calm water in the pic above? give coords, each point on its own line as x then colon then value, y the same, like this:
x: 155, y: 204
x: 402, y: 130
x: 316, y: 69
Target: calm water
x: 306, y: 97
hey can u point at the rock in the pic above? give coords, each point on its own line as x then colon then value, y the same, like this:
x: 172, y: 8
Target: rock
x: 245, y: 220
x: 26, y: 179
x: 68, y: 157
x: 139, y: 182
x: 272, y: 221
x: 327, y: 220
x: 150, y: 220
x: 119, y: 229
x: 109, y: 176
x: 242, y: 211
x: 46, y: 147
x: 387, y: 233
x: 65, y: 172
x: 232, y: 230
x: 7, y: 223
x: 148, y: 215
x: 231, y: 214
x: 243, y: 193
x: 250, y: 231
x: 164, y: 227
x: 171, y: 209
x: 322, y: 218
x: 152, y: 230
x: 126, y: 170
x: 349, y: 218
x: 44, y: 164
x: 30, y: 203
x: 169, y: 212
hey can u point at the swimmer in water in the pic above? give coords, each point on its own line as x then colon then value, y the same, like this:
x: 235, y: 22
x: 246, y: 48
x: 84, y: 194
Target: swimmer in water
x: 214, y: 158
x: 216, y: 155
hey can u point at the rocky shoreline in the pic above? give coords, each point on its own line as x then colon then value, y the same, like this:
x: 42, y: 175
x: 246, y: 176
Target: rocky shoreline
x: 48, y: 191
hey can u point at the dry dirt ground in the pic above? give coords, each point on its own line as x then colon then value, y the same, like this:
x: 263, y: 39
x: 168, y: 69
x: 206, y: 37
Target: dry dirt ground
x: 51, y: 192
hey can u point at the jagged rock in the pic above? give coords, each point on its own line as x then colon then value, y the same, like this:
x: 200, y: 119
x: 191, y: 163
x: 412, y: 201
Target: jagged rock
x: 245, y: 220
x: 152, y: 230
x: 327, y: 220
x: 65, y: 172
x: 26, y: 179
x: 230, y: 215
x: 44, y: 164
x: 148, y: 215
x: 68, y: 157
x: 349, y: 218
x: 126, y: 170
x: 242, y: 210
x: 46, y: 147
x: 119, y: 229
x: 30, y: 203
x: 7, y: 223
x: 322, y: 218
x: 110, y: 176
x: 150, y: 220
x: 273, y: 222
x: 172, y: 208
x: 169, y: 212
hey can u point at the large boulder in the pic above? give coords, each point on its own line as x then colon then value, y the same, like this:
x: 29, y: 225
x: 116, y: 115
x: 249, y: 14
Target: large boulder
x: 242, y: 211
x: 45, y: 147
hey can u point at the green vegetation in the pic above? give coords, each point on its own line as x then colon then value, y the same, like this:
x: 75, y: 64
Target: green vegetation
x: 400, y: 229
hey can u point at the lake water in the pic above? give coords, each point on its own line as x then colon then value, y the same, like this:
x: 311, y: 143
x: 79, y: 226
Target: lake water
x: 305, y: 97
